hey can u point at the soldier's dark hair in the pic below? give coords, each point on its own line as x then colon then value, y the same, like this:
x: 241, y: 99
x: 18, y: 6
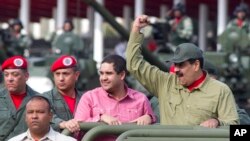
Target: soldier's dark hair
x: 180, y: 7
x: 119, y: 62
x: 16, y: 22
x: 242, y: 7
x: 40, y: 97
x: 76, y: 68
x: 192, y: 60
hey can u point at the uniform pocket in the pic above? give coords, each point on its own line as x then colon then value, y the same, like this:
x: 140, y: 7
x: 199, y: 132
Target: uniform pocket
x: 5, y: 114
x: 174, y: 102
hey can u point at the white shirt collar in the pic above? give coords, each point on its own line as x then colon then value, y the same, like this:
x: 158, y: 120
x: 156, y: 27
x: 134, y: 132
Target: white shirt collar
x: 51, y: 135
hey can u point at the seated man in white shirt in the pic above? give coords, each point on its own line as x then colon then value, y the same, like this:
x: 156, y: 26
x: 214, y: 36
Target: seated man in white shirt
x: 38, y: 117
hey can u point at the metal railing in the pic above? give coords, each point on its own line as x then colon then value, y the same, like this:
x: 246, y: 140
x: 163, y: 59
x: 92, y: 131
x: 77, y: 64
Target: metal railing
x: 201, y: 134
x: 156, y: 132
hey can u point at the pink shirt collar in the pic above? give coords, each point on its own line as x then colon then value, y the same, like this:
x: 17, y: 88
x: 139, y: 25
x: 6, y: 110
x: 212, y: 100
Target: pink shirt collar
x: 129, y: 93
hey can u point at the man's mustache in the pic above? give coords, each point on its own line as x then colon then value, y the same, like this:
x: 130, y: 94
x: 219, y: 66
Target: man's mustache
x: 179, y: 74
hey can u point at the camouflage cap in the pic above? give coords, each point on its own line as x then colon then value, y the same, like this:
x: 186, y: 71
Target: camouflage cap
x: 185, y: 52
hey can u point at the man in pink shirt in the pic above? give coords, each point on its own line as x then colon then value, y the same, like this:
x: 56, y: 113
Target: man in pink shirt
x: 114, y: 103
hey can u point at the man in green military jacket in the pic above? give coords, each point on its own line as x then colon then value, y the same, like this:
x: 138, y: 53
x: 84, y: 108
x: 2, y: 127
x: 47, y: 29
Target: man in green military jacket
x: 14, y: 41
x: 241, y: 20
x: 64, y: 97
x: 181, y: 25
x: 236, y: 37
x: 188, y: 97
x: 13, y: 97
x: 68, y: 42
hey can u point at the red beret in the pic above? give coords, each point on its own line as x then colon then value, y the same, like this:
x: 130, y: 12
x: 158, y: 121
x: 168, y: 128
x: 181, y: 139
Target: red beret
x: 64, y: 61
x: 15, y: 62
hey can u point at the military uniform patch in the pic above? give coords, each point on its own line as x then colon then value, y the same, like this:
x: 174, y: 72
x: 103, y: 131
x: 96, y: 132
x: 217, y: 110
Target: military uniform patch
x: 67, y: 61
x: 18, y: 62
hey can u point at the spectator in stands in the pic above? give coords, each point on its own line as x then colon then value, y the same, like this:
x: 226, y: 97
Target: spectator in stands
x: 188, y: 97
x: 68, y: 42
x: 64, y: 97
x: 241, y: 21
x: 14, y: 96
x: 14, y: 41
x: 38, y: 116
x: 181, y: 25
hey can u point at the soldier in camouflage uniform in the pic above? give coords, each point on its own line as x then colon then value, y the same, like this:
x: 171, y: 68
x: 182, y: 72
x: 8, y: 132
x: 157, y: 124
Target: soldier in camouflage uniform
x: 241, y: 21
x: 181, y: 25
x: 14, y: 96
x: 236, y: 37
x: 13, y: 41
x: 68, y: 42
x: 64, y: 97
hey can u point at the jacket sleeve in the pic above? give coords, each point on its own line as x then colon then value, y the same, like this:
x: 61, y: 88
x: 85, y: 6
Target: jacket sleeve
x: 243, y: 115
x: 55, y: 119
x: 55, y: 122
x: 148, y: 75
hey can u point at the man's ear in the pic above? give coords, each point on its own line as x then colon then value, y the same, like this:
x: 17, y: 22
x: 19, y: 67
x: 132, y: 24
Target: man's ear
x: 123, y: 75
x: 197, y: 64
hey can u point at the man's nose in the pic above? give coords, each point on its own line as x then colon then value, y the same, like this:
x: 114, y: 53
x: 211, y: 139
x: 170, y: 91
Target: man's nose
x: 34, y: 115
x: 104, y: 77
x: 10, y: 78
x: 61, y: 77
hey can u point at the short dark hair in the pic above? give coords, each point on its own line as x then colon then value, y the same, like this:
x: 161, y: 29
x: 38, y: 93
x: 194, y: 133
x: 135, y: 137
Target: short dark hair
x: 118, y: 62
x: 76, y: 68
x: 192, y: 60
x: 69, y: 21
x: 40, y: 97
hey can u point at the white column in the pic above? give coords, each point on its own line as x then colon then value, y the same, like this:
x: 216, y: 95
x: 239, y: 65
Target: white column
x: 90, y: 16
x: 127, y: 17
x: 25, y: 14
x: 203, y: 16
x: 54, y: 10
x: 61, y: 13
x: 139, y: 7
x: 222, y: 18
x: 98, y: 37
x: 163, y: 11
x: 77, y: 26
